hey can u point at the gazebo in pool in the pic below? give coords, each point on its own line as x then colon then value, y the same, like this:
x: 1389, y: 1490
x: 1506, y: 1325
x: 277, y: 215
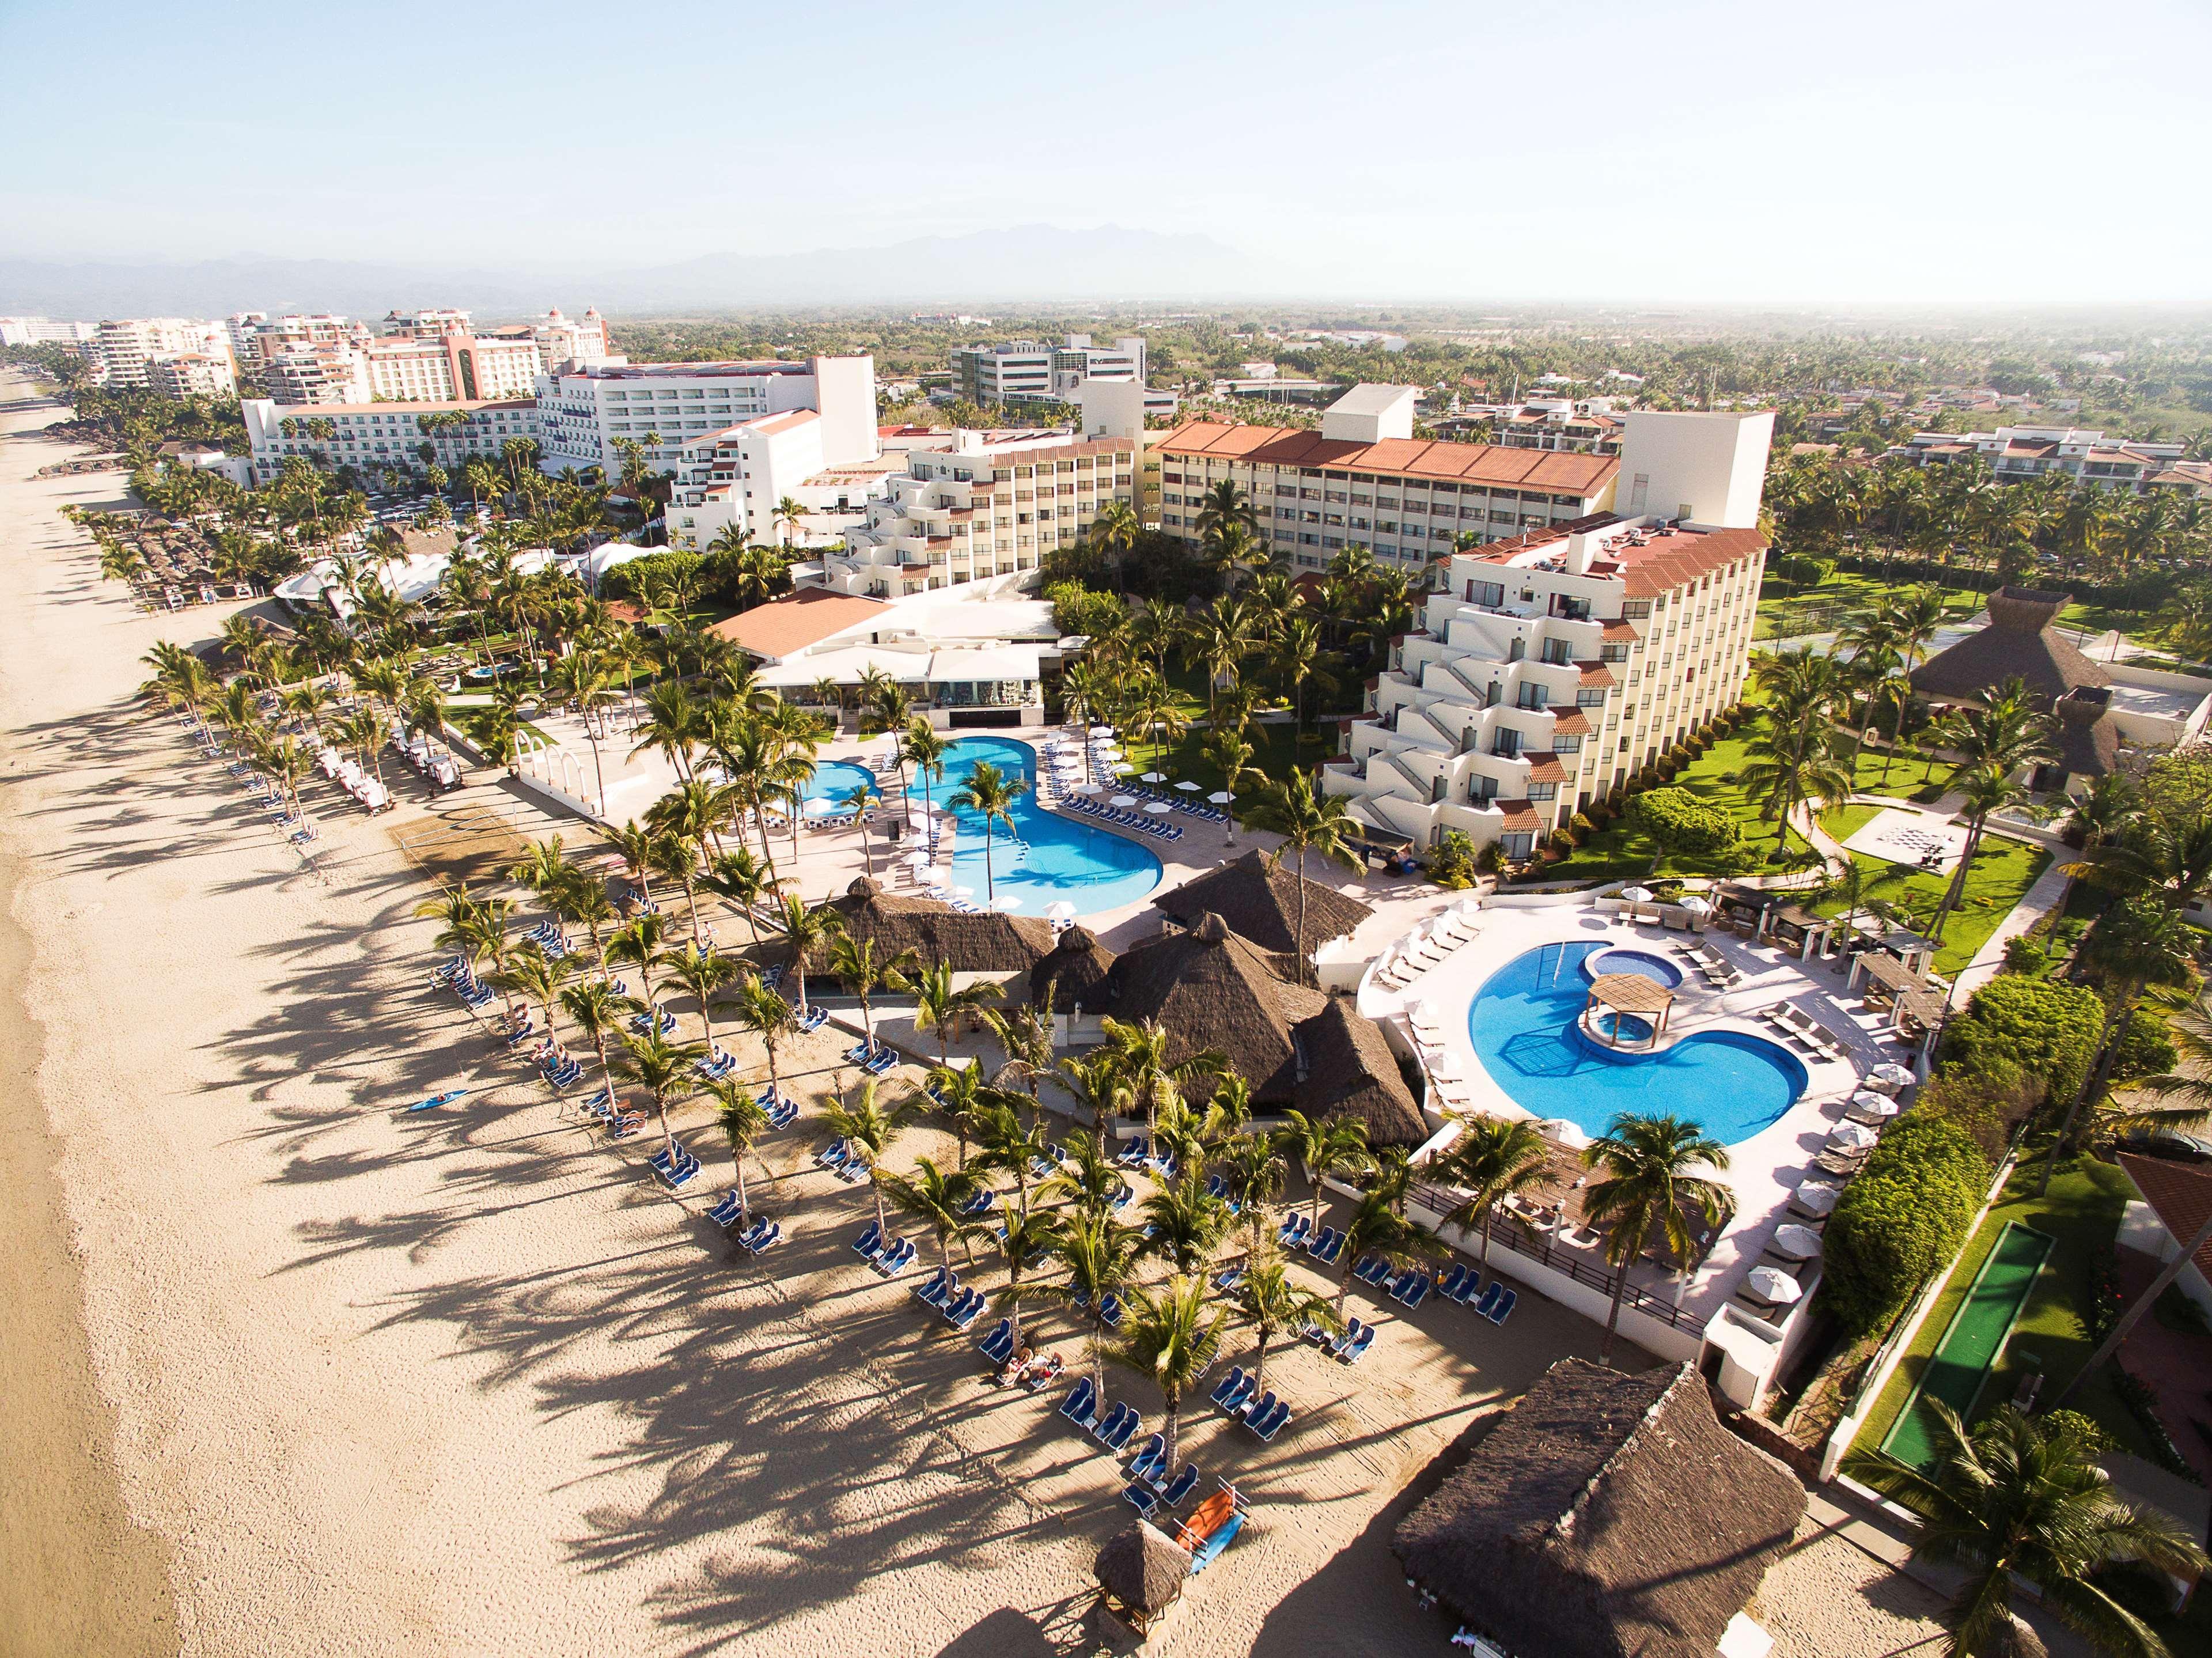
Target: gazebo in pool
x: 1627, y: 996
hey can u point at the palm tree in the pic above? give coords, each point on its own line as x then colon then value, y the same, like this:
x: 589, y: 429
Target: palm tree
x: 2158, y: 854
x: 1025, y: 1035
x: 741, y: 879
x: 1273, y: 1302
x: 2190, y: 1083
x: 1097, y: 1085
x: 1100, y: 1255
x: 1299, y: 660
x: 1172, y: 1336
x: 2135, y: 944
x: 1649, y: 1192
x: 659, y: 1065
x: 1146, y: 1075
x: 743, y: 1120
x: 1324, y: 1146
x: 1253, y: 1170
x: 1307, y: 822
x: 868, y: 1128
x: 702, y: 972
x: 854, y: 963
x: 1494, y: 1158
x: 767, y: 1016
x: 2021, y: 1503
x: 936, y: 1198
x: 598, y: 1013
x: 1986, y: 790
x: 1025, y: 1233
x: 858, y: 800
x: 991, y: 795
x: 808, y: 932
x: 925, y: 750
x: 638, y: 943
x: 1375, y: 1228
x: 938, y: 1004
x: 634, y: 845
x: 1794, y: 764
x: 1183, y: 1222
x: 533, y: 974
x: 2110, y: 806
x: 786, y: 515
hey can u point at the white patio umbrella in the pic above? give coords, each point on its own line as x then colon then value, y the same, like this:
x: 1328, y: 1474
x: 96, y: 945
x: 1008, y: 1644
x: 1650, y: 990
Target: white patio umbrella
x: 1059, y: 910
x: 917, y: 857
x: 1008, y: 902
x: 1221, y: 797
x: 1156, y: 777
x: 1101, y: 731
x: 963, y: 892
x: 1872, y: 1107
x: 1817, y: 1196
x: 1636, y: 895
x: 1798, y: 1242
x: 1889, y: 1074
x: 1852, y: 1136
x: 1773, y: 1284
x: 1123, y: 769
x: 1087, y: 788
x: 1187, y: 787
x: 1124, y: 801
x: 1696, y: 905
x: 1158, y: 808
x: 1566, y: 1133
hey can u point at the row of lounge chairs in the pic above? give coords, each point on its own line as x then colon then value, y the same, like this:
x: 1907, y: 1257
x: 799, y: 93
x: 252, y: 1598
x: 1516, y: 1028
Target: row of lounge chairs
x: 1803, y: 1029
x: 675, y: 1166
x: 349, y: 775
x: 889, y: 1256
x: 1419, y: 951
x: 877, y: 1060
x: 1265, y: 1415
x: 439, y: 771
x: 1719, y: 972
x: 1157, y: 828
x: 943, y: 1294
x: 1298, y: 1232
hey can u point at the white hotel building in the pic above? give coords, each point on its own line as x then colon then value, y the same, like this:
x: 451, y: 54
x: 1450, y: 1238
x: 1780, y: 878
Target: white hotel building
x: 666, y: 406
x: 120, y: 350
x: 1549, y: 667
x: 735, y: 478
x: 370, y: 435
x: 1026, y: 371
x: 991, y: 506
x: 192, y: 375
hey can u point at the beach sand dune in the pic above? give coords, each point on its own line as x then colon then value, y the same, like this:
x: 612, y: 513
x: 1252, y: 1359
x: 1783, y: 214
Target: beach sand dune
x: 468, y: 1383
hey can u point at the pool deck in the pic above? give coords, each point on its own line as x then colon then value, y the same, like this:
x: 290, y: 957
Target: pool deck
x: 1763, y: 1169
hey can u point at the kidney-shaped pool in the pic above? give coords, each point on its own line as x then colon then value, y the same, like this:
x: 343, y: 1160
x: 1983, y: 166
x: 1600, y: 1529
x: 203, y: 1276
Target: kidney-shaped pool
x: 1524, y: 1030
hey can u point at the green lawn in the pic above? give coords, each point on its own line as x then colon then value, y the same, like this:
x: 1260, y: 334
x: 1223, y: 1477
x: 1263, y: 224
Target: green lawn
x: 1785, y: 611
x: 2002, y: 873
x: 1272, y: 754
x: 2082, y: 1212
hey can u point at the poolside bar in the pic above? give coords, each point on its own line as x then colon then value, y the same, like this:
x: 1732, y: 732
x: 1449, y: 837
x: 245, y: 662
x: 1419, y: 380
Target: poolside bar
x: 1628, y: 995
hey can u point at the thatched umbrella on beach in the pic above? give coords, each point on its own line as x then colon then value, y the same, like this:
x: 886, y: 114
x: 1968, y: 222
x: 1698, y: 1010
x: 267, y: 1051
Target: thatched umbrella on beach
x: 1141, y: 1573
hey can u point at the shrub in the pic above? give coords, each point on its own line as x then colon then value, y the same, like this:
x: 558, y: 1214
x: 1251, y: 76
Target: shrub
x: 2145, y: 1048
x: 1561, y: 842
x: 1080, y: 610
x: 1451, y: 862
x: 1904, y: 1217
x: 2085, y: 1427
x: 1988, y: 1102
x: 1679, y: 823
x: 2022, y: 956
x: 1583, y: 824
x: 635, y: 579
x: 2048, y: 1031
x: 1491, y: 860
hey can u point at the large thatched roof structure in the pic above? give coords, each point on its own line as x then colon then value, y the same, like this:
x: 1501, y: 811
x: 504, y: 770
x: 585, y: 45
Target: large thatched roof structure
x: 1607, y: 1516
x: 1142, y: 1570
x: 1076, y: 969
x: 2088, y: 741
x: 2019, y: 642
x: 1298, y: 1047
x: 1259, y: 898
x: 989, y: 943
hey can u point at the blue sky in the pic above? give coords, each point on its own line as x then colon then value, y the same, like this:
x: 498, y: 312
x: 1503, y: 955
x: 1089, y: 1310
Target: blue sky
x: 1395, y: 147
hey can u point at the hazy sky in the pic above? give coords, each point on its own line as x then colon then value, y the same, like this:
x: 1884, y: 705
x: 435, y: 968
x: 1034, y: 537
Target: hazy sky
x: 1672, y: 148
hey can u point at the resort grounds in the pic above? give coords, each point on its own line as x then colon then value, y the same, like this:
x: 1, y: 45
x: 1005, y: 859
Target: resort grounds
x: 302, y: 1373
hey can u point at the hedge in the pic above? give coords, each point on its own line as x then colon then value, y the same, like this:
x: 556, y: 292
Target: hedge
x: 2049, y: 1030
x: 1901, y: 1219
x: 628, y: 579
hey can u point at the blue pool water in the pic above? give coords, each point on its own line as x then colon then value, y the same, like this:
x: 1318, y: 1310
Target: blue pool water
x: 1523, y: 1024
x: 1657, y: 968
x: 1062, y: 861
x: 832, y: 781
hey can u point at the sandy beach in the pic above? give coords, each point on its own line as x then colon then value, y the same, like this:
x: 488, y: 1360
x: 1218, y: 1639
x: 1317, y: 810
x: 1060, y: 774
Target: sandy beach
x: 295, y: 1372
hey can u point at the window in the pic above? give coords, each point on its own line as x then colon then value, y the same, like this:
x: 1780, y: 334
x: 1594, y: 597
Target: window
x: 1589, y: 696
x: 1518, y: 846
x: 1557, y: 652
x: 1485, y: 592
x: 1543, y: 791
x: 1533, y: 695
x: 1506, y: 743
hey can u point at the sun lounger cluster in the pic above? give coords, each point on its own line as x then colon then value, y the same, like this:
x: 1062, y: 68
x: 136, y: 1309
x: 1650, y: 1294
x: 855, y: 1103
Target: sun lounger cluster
x: 1463, y: 1285
x: 1804, y: 1029
x: 848, y: 1162
x: 675, y: 1166
x: 760, y: 1237
x: 1139, y: 1154
x: 1718, y: 971
x: 943, y: 1293
x: 1154, y: 826
x: 889, y: 1256
x: 877, y: 1058
x: 1425, y: 947
x: 1264, y: 1415
x: 349, y: 775
x: 435, y: 769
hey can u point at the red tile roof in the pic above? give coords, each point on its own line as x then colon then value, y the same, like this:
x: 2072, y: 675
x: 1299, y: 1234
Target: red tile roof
x: 1570, y: 722
x: 1596, y: 673
x: 1560, y: 473
x: 775, y: 629
x: 2181, y: 1197
x: 1519, y: 815
x: 1622, y: 632
x: 1545, y: 768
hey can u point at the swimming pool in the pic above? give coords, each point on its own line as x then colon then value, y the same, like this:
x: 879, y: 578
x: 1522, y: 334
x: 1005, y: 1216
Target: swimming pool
x: 1524, y: 1026
x: 1657, y: 968
x: 1049, y: 859
x: 832, y: 781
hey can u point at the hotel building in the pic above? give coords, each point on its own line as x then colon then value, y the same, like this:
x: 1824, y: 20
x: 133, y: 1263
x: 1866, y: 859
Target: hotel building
x: 368, y: 435
x: 1023, y: 370
x: 991, y: 506
x: 325, y: 374
x: 1365, y: 477
x: 1549, y: 667
x: 735, y: 478
x: 119, y: 350
x: 2014, y: 453
x: 43, y: 330
x: 192, y: 375
x: 666, y: 406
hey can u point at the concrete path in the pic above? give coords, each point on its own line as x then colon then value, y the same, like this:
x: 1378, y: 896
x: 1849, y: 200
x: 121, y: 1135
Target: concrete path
x: 2039, y: 900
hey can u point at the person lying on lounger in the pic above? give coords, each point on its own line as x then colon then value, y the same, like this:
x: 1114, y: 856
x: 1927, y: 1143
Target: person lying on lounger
x: 1012, y: 1371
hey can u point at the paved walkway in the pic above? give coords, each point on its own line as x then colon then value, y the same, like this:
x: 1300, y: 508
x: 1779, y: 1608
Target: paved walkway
x: 2040, y: 900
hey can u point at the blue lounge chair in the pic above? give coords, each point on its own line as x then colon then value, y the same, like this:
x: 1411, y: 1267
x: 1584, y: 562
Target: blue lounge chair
x: 1350, y: 1332
x: 1109, y: 1311
x: 1121, y: 1436
x: 1452, y: 1282
x: 1266, y: 1427
x: 1077, y: 1407
x: 1173, y: 1493
x: 1358, y: 1344
x: 1294, y: 1231
x: 726, y: 1211
x: 1490, y: 1297
x: 1317, y: 1245
x: 865, y: 1243
x: 1103, y: 1429
x: 834, y: 1151
x: 1142, y: 1498
x: 1132, y: 1155
x: 1468, y: 1288
x: 1497, y: 1315
x: 1228, y: 1279
x: 762, y: 1243
x: 1154, y: 1449
x: 1416, y: 1292
x: 1229, y: 1383
x: 1257, y: 1408
x: 1233, y: 1402
x: 894, y: 1257
x: 931, y: 1285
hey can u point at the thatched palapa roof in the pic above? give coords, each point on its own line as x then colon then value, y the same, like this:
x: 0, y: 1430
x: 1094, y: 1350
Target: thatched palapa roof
x: 2088, y: 741
x: 2019, y: 642
x: 1259, y: 898
x: 1297, y: 1047
x: 1076, y: 969
x: 1607, y: 1516
x: 989, y: 943
x: 1143, y: 1569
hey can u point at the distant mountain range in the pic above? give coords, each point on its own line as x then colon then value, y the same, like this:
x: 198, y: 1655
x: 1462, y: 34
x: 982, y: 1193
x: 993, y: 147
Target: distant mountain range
x: 1030, y: 262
